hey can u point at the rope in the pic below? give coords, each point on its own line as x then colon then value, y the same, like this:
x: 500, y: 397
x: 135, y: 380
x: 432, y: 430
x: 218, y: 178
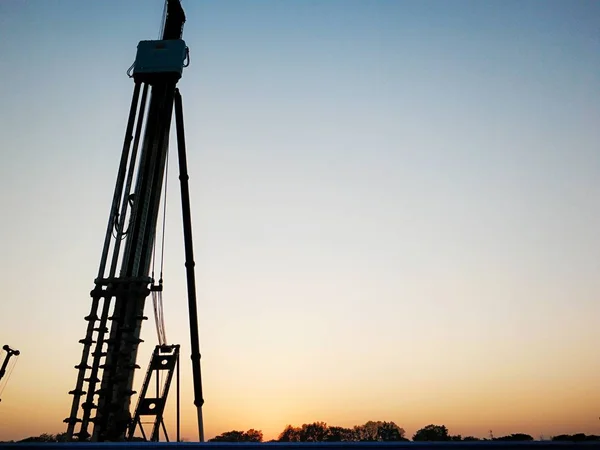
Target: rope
x: 158, y: 317
x: 153, y: 257
x: 130, y: 70
x: 118, y: 229
x: 186, y: 61
x: 162, y: 250
x: 157, y: 303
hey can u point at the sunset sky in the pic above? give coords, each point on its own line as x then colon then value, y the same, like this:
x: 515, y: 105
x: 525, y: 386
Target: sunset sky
x: 396, y: 208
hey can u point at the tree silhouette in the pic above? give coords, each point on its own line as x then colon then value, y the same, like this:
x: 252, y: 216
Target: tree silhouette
x: 289, y: 434
x: 379, y: 431
x: 314, y: 432
x: 389, y: 431
x: 515, y: 437
x: 340, y: 434
x: 370, y: 431
x: 308, y: 432
x: 253, y: 435
x: 320, y: 432
x: 44, y: 437
x: 366, y: 432
x: 576, y: 437
x: 432, y: 433
x: 239, y: 436
x: 47, y: 437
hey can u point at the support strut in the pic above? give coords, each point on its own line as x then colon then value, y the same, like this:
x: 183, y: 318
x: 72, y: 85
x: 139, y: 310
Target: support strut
x: 163, y: 364
x: 189, y: 262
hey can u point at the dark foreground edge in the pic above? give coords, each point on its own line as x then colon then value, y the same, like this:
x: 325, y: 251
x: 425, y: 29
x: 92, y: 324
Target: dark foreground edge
x: 492, y: 445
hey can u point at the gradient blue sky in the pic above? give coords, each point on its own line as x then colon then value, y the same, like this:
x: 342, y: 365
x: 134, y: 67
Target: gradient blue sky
x: 395, y: 207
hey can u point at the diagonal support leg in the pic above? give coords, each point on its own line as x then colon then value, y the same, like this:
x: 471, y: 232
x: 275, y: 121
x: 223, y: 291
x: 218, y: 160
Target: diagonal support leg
x: 189, y: 262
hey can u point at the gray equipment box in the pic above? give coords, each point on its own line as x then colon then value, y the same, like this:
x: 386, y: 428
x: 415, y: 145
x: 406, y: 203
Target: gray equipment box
x: 160, y: 57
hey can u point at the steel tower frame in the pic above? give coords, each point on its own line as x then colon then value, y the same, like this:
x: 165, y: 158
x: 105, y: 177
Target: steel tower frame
x: 108, y: 362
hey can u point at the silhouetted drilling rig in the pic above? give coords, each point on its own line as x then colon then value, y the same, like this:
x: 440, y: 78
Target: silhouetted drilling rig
x: 103, y: 392
x: 5, y: 369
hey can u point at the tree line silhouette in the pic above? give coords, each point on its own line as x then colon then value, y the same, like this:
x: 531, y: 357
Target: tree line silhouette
x: 375, y: 431
x: 372, y: 431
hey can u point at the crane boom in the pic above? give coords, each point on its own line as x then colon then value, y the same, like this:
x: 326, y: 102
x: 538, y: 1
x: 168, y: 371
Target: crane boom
x: 106, y: 371
x: 10, y: 352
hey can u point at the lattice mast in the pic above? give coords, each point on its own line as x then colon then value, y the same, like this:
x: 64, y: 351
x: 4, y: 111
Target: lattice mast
x: 102, y: 395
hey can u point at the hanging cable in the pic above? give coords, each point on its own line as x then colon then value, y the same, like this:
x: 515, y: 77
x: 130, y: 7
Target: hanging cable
x: 118, y: 226
x: 157, y: 302
x: 155, y: 292
x: 153, y: 258
x: 162, y: 251
x: 157, y: 306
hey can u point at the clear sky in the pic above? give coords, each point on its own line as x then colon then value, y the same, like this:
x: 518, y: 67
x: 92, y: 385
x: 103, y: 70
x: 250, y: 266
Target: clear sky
x: 395, y: 203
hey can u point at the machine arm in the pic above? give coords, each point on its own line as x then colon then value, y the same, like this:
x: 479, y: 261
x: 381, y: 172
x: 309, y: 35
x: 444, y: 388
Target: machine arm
x: 124, y: 277
x: 9, y: 353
